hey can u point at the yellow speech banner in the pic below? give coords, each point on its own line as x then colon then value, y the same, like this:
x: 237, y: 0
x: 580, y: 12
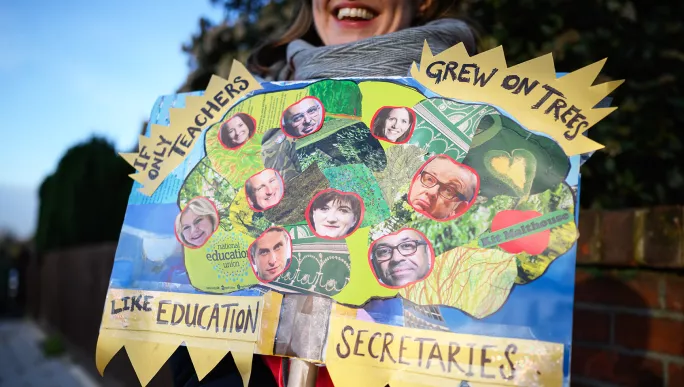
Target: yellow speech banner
x: 222, y: 317
x: 564, y: 108
x: 430, y: 358
x: 167, y: 147
x: 150, y: 325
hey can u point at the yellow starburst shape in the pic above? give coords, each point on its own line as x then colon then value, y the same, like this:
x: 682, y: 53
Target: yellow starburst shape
x: 563, y: 108
x: 167, y: 147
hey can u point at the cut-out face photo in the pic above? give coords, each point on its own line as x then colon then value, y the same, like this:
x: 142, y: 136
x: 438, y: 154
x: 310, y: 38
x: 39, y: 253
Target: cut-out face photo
x: 443, y: 188
x: 401, y: 258
x: 303, y: 117
x: 196, y: 223
x: 334, y: 214
x: 270, y: 254
x: 264, y: 190
x: 237, y: 130
x: 394, y: 124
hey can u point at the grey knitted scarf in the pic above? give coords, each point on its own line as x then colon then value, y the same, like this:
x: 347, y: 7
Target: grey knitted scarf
x: 385, y: 55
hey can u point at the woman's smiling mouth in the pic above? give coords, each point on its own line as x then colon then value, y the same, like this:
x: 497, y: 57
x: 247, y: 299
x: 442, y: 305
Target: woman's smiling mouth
x: 355, y: 14
x: 198, y: 237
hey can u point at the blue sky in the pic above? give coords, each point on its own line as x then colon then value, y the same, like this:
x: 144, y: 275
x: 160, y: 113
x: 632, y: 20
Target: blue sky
x: 70, y: 69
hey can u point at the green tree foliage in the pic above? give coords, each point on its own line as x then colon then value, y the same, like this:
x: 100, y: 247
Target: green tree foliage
x: 642, y: 41
x: 246, y: 24
x: 84, y: 200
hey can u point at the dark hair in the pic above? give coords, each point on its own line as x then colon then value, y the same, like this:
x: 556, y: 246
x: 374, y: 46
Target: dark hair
x: 383, y: 115
x: 302, y: 27
x: 225, y: 138
x: 334, y: 196
x: 253, y: 247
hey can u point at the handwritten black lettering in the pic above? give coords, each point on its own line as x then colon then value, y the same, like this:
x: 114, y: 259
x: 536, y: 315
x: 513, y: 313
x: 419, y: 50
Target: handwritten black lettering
x: 464, y: 71
x: 385, y: 347
x: 454, y: 349
x: 435, y: 353
x: 359, y: 341
x: 161, y: 309
x: 218, y: 98
x: 511, y: 349
x: 370, y: 345
x: 209, y: 108
x: 421, y: 340
x: 244, y: 84
x: 549, y: 92
x: 484, y: 361
x: 350, y: 330
x: 402, y: 348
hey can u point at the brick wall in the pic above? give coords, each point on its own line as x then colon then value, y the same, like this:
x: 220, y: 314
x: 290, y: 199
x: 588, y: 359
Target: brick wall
x: 629, y: 299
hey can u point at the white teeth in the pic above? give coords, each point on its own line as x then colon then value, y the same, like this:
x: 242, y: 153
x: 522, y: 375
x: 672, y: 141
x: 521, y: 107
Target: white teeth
x: 355, y: 13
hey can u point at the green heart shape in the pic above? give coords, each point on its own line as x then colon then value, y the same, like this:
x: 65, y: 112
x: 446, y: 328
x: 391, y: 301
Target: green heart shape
x: 516, y: 169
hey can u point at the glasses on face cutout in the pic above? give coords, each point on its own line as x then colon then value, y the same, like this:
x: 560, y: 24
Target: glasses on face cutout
x: 299, y: 117
x: 383, y: 253
x: 447, y: 191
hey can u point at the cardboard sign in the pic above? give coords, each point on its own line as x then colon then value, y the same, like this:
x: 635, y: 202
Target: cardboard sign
x: 420, y: 230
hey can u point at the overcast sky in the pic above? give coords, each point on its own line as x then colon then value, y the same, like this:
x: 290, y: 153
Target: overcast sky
x: 70, y: 69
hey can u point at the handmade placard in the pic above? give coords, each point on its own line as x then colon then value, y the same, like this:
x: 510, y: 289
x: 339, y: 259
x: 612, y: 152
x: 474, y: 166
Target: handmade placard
x: 413, y: 231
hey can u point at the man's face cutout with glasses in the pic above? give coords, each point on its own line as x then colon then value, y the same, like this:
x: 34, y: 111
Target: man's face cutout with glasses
x: 303, y: 118
x: 402, y: 258
x: 441, y: 188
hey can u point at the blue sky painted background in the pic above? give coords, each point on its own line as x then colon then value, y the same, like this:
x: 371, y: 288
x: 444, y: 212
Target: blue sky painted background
x: 70, y: 69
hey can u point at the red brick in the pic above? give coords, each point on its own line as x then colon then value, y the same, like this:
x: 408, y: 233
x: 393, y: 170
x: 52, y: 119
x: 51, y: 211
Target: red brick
x: 674, y: 293
x: 664, y: 237
x: 650, y: 334
x: 675, y: 375
x: 617, y: 235
x: 590, y: 326
x: 588, y: 245
x: 612, y: 367
x: 640, y: 290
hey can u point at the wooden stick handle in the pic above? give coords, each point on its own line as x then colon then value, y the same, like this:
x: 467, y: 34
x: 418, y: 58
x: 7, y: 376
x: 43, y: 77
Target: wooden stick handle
x: 302, y: 374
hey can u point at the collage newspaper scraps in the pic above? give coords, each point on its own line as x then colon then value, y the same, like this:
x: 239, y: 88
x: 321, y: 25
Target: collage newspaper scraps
x: 423, y: 227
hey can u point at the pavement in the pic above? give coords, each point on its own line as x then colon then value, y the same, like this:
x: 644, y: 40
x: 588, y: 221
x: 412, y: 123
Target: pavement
x: 22, y: 363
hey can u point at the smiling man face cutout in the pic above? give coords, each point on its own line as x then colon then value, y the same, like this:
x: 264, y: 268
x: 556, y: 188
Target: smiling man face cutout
x: 401, y: 258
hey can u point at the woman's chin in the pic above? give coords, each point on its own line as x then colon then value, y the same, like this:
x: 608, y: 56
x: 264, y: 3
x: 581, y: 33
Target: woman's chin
x: 349, y: 33
x: 329, y: 233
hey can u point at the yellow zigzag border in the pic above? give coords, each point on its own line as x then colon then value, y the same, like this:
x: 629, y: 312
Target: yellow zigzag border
x: 457, y: 73
x: 167, y: 147
x: 148, y: 349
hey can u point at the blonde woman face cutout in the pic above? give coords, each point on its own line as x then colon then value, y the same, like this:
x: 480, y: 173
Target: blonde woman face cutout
x: 196, y: 229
